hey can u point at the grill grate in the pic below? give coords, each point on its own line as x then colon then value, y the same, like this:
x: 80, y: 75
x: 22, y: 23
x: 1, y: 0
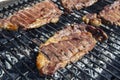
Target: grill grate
x: 19, y: 49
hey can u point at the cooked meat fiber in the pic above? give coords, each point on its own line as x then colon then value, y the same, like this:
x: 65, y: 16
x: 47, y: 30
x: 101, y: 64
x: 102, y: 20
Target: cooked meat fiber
x: 67, y: 45
x: 111, y: 13
x: 32, y: 17
x: 69, y: 5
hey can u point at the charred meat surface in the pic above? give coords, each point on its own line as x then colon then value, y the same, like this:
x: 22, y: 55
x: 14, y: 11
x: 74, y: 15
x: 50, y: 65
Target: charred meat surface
x: 32, y: 17
x: 69, y: 5
x: 111, y: 13
x: 67, y: 45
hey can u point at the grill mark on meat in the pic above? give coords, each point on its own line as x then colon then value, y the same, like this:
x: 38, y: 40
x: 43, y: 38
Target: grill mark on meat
x: 21, y: 21
x: 51, y: 56
x: 76, y: 43
x: 73, y: 49
x: 54, y: 50
x: 33, y: 12
x: 60, y: 54
x: 38, y: 11
x: 65, y: 51
x: 27, y: 19
x: 18, y: 20
x: 28, y: 14
x: 56, y: 53
x: 69, y: 46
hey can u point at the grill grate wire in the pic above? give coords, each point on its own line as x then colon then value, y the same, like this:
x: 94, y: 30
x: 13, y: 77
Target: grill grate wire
x: 37, y: 37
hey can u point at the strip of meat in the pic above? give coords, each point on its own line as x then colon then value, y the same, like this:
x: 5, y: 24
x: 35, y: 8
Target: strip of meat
x: 69, y: 5
x: 111, y: 13
x: 32, y: 17
x: 67, y: 45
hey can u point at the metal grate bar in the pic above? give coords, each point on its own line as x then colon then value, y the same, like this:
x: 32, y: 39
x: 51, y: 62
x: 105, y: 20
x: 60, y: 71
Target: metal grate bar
x: 116, y: 38
x: 83, y: 71
x: 106, y: 55
x: 66, y: 78
x: 14, y: 67
x: 12, y: 53
x: 118, y: 77
x: 29, y: 48
x: 110, y: 51
x: 32, y: 49
x: 93, y: 69
x: 28, y: 38
x: 3, y: 68
x: 73, y: 73
x: 22, y: 61
x: 15, y: 45
x: 105, y: 61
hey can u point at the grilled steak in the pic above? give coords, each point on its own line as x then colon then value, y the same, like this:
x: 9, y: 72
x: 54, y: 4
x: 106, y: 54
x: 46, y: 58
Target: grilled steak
x: 111, y: 13
x: 32, y: 17
x: 69, y: 5
x: 67, y: 45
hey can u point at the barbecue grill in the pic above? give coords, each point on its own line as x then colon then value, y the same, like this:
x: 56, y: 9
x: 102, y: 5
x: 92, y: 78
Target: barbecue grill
x: 18, y: 49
